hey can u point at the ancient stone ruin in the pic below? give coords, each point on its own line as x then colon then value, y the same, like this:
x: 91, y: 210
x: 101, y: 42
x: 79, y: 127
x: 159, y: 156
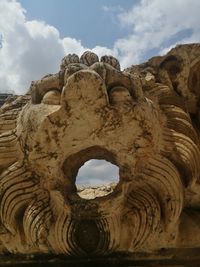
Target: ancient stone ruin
x: 144, y: 119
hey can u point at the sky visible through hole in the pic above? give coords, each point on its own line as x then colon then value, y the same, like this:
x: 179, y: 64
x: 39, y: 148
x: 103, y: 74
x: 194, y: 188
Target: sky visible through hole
x: 96, y: 173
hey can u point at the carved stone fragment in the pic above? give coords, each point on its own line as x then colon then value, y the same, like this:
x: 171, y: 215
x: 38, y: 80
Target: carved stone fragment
x: 144, y: 119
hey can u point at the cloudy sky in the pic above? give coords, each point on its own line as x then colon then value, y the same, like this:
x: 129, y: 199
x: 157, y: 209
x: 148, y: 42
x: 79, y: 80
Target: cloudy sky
x: 36, y: 34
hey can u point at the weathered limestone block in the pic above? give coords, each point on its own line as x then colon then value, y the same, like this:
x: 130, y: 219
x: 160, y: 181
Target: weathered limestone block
x: 144, y: 119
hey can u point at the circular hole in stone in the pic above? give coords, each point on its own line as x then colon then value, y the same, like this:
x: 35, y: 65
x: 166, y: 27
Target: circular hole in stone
x: 96, y: 178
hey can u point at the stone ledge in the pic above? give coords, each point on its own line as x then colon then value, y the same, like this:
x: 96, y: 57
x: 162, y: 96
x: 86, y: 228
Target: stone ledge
x: 166, y: 257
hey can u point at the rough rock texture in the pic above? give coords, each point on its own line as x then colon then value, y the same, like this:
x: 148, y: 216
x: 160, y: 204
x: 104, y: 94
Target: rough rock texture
x: 91, y: 192
x: 4, y: 97
x: 144, y: 119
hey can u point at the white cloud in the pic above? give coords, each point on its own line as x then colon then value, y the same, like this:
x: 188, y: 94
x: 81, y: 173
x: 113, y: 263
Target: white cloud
x: 155, y: 25
x: 31, y: 49
x: 101, y: 51
x: 71, y: 46
x: 97, y: 172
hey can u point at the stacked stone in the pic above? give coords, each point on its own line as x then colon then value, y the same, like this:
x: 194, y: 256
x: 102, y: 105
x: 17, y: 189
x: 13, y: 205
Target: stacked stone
x: 3, y: 98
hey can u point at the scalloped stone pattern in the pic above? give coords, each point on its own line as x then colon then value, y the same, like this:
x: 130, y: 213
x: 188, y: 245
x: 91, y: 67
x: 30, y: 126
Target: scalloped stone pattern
x: 144, y: 119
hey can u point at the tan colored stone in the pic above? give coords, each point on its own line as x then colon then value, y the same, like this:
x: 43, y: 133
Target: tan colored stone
x: 144, y: 119
x: 92, y: 192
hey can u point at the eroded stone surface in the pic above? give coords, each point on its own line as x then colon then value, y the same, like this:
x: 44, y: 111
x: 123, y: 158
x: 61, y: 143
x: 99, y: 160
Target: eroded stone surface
x: 91, y: 192
x: 144, y: 119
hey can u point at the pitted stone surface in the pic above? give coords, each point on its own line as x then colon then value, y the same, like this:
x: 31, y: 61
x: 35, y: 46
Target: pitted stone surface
x: 144, y: 119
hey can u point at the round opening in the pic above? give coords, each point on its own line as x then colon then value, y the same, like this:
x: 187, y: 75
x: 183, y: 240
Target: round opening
x: 96, y: 178
x: 91, y: 172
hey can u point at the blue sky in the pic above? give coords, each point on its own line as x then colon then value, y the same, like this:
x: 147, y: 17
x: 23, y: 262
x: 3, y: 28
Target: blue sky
x: 36, y: 34
x: 84, y: 20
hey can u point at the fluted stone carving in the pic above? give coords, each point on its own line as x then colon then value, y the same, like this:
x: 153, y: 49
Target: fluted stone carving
x: 144, y: 119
